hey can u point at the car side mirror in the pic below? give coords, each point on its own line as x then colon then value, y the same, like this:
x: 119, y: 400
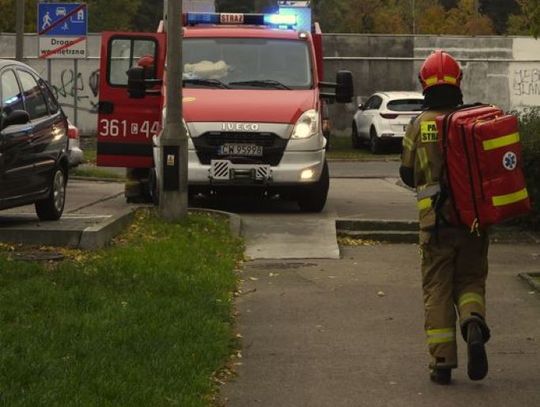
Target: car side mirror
x: 16, y: 117
x: 136, y: 84
x: 360, y: 106
x: 344, y: 87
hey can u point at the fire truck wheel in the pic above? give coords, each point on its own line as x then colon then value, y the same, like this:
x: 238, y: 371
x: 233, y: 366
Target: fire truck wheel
x: 153, y: 187
x: 52, y: 207
x: 313, y: 197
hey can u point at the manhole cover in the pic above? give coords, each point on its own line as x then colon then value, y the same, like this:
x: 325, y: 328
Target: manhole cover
x: 37, y: 256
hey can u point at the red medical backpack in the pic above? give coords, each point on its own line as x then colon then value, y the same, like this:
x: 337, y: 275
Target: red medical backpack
x: 482, y: 154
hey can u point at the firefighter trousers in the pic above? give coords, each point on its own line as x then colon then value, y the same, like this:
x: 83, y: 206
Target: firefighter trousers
x: 454, y: 272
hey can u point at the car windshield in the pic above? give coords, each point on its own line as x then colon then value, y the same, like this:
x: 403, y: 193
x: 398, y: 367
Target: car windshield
x: 246, y: 63
x: 405, y: 105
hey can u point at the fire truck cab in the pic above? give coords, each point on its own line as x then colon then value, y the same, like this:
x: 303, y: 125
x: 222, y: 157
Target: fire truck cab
x: 252, y: 104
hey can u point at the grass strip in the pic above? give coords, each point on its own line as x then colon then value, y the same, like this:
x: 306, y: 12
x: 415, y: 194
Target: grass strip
x: 145, y: 322
x: 341, y: 149
x: 95, y: 172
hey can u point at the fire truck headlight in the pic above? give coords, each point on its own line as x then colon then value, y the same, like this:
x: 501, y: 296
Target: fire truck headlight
x: 307, y: 125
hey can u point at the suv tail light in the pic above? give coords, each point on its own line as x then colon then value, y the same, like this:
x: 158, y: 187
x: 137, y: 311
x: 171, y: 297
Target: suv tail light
x: 389, y: 115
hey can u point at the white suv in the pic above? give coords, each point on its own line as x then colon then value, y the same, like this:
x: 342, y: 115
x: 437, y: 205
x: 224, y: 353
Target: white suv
x: 383, y: 119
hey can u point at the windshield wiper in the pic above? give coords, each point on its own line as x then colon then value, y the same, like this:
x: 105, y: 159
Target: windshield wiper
x: 266, y: 83
x: 215, y: 83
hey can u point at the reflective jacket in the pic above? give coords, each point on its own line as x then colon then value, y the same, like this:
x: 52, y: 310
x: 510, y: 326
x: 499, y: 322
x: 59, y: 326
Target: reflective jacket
x: 422, y: 154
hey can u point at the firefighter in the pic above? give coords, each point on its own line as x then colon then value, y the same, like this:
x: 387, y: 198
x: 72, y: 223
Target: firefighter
x: 454, y: 260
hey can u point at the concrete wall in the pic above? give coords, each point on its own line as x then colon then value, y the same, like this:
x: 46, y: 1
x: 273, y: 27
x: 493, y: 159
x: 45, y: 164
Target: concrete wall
x: 500, y: 70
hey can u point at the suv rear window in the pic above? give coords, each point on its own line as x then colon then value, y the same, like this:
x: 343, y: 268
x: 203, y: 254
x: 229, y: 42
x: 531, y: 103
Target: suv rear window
x: 405, y: 105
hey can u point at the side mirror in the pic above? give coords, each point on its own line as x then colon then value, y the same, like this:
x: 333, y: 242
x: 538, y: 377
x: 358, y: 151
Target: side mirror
x: 136, y: 82
x: 345, y: 87
x: 16, y: 117
x: 360, y: 106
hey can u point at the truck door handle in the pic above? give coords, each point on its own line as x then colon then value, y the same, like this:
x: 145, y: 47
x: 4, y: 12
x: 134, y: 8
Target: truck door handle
x: 105, y: 107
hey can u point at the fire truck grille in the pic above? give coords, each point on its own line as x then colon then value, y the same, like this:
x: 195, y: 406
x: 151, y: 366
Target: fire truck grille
x: 208, y: 147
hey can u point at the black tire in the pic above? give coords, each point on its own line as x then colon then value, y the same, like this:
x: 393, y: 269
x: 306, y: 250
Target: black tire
x: 374, y: 142
x: 355, y: 140
x: 52, y: 207
x: 313, y: 197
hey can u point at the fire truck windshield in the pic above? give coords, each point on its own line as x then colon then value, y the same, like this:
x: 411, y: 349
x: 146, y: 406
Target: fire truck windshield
x: 247, y: 63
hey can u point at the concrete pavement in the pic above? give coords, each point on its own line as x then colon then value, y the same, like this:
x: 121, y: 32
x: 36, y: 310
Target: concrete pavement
x: 349, y: 332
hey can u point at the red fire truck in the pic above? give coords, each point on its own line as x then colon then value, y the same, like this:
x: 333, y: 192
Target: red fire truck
x: 252, y: 104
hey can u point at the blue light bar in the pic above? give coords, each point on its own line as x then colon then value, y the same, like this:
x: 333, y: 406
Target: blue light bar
x: 280, y: 20
x: 271, y: 20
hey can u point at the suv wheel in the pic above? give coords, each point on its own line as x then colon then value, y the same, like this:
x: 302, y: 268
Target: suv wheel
x: 355, y: 140
x: 313, y: 197
x: 374, y: 142
x: 52, y: 207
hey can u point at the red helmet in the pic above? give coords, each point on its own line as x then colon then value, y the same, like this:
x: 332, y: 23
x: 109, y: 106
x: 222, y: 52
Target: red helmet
x: 440, y: 68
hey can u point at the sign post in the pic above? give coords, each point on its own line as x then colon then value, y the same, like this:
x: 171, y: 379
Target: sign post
x: 62, y: 30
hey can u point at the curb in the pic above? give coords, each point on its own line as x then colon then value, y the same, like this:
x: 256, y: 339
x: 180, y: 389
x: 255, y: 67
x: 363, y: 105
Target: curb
x: 403, y: 231
x: 96, y: 237
x: 235, y: 221
x: 529, y: 278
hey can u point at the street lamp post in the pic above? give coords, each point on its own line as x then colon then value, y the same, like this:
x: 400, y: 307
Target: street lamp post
x: 19, y: 40
x: 173, y: 197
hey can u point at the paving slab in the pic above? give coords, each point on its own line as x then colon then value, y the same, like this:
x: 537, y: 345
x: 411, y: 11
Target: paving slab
x: 349, y: 332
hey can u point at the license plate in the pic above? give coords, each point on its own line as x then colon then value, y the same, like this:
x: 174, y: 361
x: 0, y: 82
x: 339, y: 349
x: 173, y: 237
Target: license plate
x: 251, y: 150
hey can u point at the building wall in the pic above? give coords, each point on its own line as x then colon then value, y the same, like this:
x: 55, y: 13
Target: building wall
x: 500, y: 70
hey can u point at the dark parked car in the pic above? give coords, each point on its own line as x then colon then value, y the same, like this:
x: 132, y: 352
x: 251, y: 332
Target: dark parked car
x: 33, y: 143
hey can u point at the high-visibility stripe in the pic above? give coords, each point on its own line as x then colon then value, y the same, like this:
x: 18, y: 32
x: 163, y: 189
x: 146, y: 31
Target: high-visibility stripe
x: 424, y: 163
x: 424, y: 204
x: 450, y: 79
x: 467, y: 298
x: 408, y: 143
x: 431, y: 80
x: 501, y: 141
x: 443, y: 335
x: 503, y: 200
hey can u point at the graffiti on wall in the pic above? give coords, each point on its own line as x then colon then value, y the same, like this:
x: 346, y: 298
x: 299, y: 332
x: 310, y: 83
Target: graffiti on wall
x: 85, y: 89
x: 526, y: 82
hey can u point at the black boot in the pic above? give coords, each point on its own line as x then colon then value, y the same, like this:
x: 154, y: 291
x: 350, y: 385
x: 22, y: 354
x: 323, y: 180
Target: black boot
x: 441, y: 375
x: 477, y: 367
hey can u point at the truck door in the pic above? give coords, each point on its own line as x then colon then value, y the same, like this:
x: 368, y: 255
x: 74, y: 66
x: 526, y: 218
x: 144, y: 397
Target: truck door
x: 125, y: 125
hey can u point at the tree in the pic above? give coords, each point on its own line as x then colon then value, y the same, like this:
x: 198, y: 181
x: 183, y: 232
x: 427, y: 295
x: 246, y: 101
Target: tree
x: 389, y: 17
x: 148, y: 16
x: 432, y: 20
x: 517, y: 25
x: 8, y: 15
x: 465, y: 19
x: 531, y: 11
x: 114, y: 15
x: 499, y: 11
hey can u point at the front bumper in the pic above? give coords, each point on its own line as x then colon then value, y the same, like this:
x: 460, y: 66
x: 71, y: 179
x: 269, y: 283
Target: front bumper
x: 291, y: 170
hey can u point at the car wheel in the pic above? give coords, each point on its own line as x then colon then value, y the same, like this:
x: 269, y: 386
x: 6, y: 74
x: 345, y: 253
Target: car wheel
x: 374, y: 142
x: 52, y: 207
x: 355, y: 140
x: 313, y: 197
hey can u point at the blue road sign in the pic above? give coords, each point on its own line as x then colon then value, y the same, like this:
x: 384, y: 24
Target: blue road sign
x: 62, y: 19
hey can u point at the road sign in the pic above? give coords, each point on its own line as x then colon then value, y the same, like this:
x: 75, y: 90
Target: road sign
x: 62, y: 30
